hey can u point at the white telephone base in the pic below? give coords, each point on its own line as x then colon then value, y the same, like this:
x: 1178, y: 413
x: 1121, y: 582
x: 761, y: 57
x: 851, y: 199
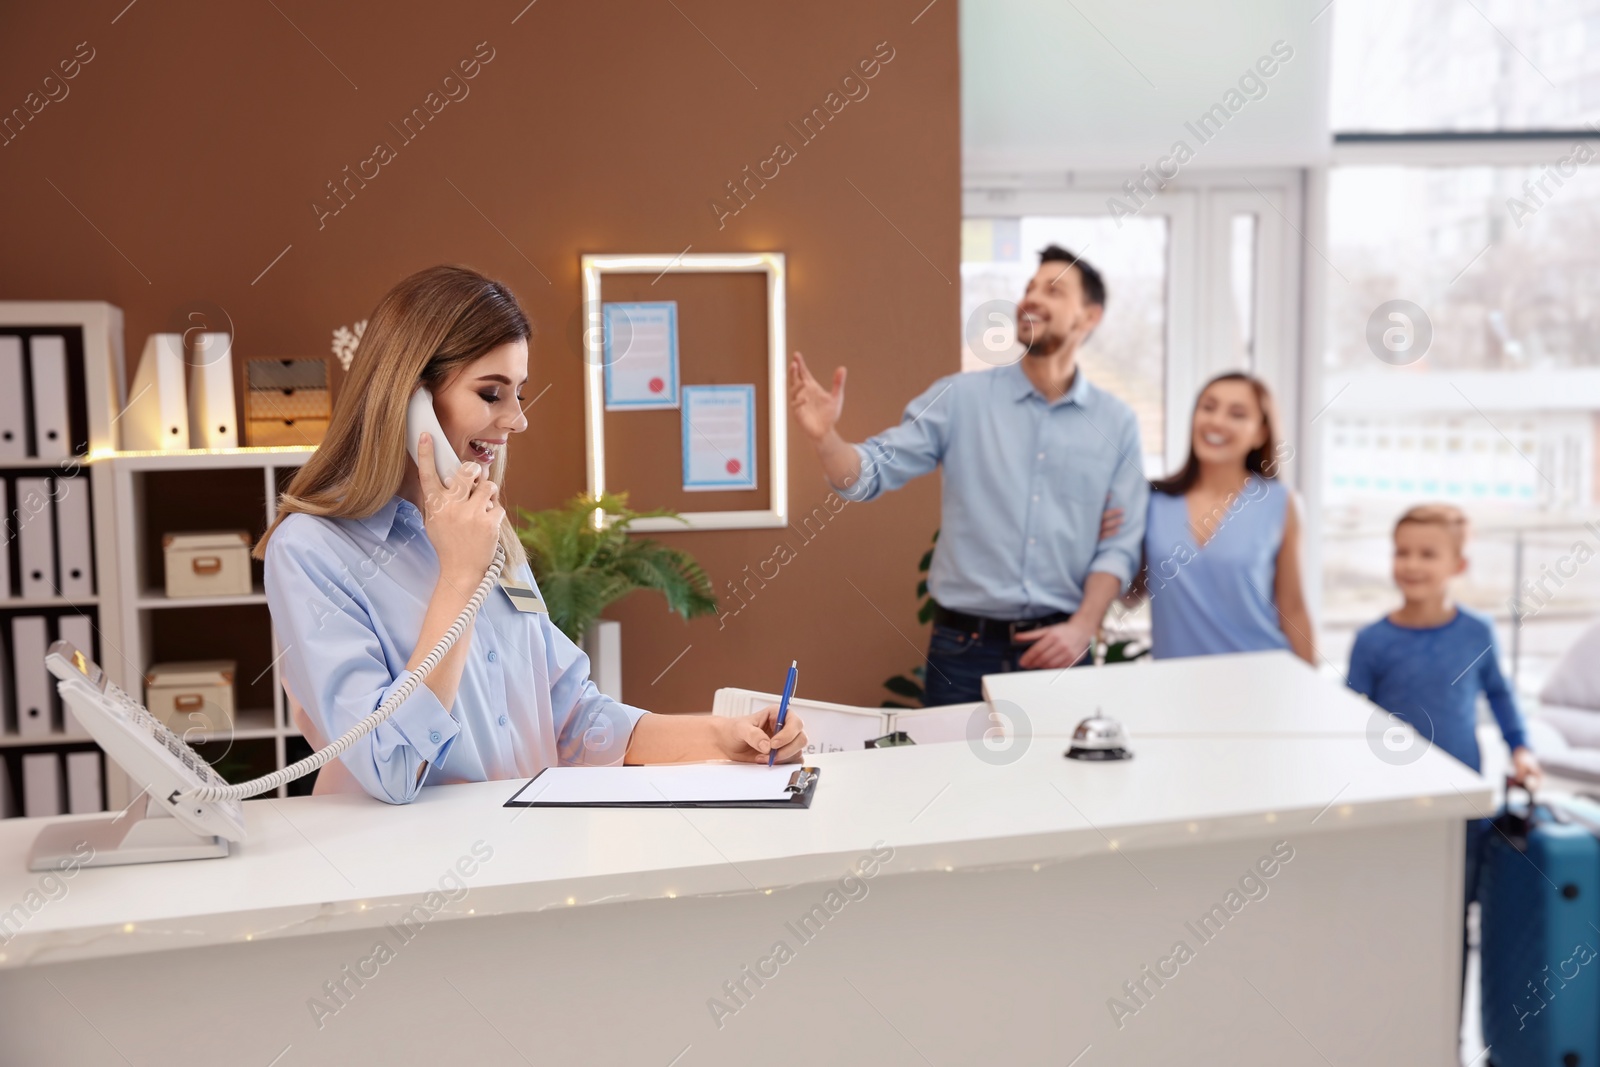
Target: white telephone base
x: 152, y: 836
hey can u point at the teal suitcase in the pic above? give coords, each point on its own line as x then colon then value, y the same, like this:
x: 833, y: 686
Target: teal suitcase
x: 1539, y: 891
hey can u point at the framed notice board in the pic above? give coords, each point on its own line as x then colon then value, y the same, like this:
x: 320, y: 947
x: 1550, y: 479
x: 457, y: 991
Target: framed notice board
x: 725, y: 340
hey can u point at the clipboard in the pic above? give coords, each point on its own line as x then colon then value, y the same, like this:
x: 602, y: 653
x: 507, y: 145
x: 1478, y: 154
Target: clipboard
x: 684, y: 785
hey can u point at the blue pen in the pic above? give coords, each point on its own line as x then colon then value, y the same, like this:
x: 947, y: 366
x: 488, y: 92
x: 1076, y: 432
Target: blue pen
x: 783, y: 705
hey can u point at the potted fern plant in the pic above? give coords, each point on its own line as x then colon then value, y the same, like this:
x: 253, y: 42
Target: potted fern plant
x: 585, y: 561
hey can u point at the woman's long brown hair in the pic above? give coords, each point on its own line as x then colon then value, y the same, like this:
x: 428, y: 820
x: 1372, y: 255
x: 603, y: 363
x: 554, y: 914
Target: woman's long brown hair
x: 423, y: 331
x: 1262, y: 461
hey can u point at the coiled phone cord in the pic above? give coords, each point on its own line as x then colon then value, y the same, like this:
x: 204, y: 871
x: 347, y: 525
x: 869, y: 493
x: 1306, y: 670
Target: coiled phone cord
x: 398, y: 696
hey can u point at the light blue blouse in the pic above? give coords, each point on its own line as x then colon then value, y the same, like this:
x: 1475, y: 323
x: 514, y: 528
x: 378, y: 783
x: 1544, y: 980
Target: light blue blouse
x: 1205, y: 601
x: 347, y: 599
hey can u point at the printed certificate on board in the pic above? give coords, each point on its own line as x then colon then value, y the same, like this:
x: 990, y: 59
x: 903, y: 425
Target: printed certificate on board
x: 719, y: 437
x: 641, y: 357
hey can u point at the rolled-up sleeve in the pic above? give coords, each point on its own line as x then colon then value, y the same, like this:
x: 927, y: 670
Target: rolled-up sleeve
x: 334, y: 665
x: 592, y: 730
x: 906, y: 451
x: 1122, y: 553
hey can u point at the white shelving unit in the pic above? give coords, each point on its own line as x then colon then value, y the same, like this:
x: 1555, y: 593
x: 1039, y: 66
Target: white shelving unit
x: 127, y: 479
x: 93, y: 336
x: 233, y: 488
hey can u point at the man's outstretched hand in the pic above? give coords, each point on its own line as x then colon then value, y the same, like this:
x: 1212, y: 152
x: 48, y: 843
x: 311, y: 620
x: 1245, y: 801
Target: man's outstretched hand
x: 816, y: 409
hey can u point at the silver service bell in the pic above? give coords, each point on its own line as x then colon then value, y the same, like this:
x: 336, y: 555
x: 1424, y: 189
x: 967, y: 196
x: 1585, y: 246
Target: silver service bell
x: 1099, y: 738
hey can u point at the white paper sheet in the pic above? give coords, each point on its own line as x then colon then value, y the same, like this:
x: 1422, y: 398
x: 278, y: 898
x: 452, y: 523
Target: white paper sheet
x: 719, y: 437
x: 641, y: 367
x: 684, y: 783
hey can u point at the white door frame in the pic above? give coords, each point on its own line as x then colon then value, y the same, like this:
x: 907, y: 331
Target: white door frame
x: 1199, y: 207
x: 1178, y: 209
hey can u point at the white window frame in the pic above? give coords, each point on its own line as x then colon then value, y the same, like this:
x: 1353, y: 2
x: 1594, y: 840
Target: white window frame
x: 1533, y: 148
x: 1198, y: 207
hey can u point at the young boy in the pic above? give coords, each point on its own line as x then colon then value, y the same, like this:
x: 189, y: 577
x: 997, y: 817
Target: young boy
x: 1427, y: 662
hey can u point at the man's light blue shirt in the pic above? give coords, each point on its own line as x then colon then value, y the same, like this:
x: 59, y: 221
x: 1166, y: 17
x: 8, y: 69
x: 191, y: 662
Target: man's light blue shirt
x: 347, y: 598
x: 1025, y: 484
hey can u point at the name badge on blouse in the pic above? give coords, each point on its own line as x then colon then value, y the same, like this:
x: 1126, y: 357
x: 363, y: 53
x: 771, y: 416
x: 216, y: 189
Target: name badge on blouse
x: 523, y: 598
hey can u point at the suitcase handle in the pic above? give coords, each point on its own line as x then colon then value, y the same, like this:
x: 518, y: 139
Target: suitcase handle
x: 1517, y: 783
x: 1515, y: 825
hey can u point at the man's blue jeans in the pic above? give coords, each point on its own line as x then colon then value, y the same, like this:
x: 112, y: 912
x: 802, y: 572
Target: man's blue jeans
x: 958, y: 660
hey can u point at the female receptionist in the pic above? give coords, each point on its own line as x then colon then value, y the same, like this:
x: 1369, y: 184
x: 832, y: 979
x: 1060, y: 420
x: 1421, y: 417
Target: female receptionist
x: 373, y: 557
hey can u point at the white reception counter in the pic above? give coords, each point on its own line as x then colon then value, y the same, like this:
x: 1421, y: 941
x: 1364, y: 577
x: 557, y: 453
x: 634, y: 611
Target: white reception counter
x: 937, y: 904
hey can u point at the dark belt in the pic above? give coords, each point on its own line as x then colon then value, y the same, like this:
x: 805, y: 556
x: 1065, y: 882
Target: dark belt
x: 992, y: 629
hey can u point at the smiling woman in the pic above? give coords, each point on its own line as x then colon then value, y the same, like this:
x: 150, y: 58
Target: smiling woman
x: 513, y: 696
x: 1221, y: 547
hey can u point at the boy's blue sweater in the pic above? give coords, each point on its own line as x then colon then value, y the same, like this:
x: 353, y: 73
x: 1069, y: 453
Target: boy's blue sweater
x: 1431, y: 678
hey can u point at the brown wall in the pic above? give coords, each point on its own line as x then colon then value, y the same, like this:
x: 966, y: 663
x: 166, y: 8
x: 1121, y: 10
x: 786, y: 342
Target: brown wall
x: 187, y: 152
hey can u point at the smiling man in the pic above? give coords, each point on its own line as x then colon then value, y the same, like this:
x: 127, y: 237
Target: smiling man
x: 1032, y: 455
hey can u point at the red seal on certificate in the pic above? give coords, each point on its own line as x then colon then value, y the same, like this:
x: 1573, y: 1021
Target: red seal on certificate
x: 656, y: 385
x: 733, y: 466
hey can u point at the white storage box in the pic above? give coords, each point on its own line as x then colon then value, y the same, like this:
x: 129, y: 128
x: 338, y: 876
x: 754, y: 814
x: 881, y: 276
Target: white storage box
x: 215, y: 563
x: 188, y: 696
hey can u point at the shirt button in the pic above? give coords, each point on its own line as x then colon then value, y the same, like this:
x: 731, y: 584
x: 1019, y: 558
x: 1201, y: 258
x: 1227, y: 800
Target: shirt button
x: 1032, y: 541
x: 1036, y: 498
x: 502, y: 720
x: 491, y: 657
x: 1041, y: 455
x: 434, y: 737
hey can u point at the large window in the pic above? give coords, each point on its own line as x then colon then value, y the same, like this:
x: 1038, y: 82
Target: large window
x: 1461, y: 358
x: 1202, y: 278
x: 1430, y: 65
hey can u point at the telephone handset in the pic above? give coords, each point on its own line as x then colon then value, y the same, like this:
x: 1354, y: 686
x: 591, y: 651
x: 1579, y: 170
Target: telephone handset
x: 420, y: 418
x: 179, y: 780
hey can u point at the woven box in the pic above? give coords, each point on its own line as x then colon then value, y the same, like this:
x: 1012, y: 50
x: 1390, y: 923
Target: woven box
x: 193, y: 695
x: 215, y: 563
x: 286, y: 402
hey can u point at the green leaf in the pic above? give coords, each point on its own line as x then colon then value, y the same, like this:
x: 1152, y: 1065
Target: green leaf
x: 925, y: 613
x: 585, y: 560
x: 922, y: 588
x: 901, y: 686
x: 1117, y: 651
x: 927, y: 561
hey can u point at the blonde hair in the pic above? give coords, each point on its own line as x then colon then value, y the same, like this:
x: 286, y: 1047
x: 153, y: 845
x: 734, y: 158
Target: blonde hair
x: 424, y: 330
x: 1448, y: 517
